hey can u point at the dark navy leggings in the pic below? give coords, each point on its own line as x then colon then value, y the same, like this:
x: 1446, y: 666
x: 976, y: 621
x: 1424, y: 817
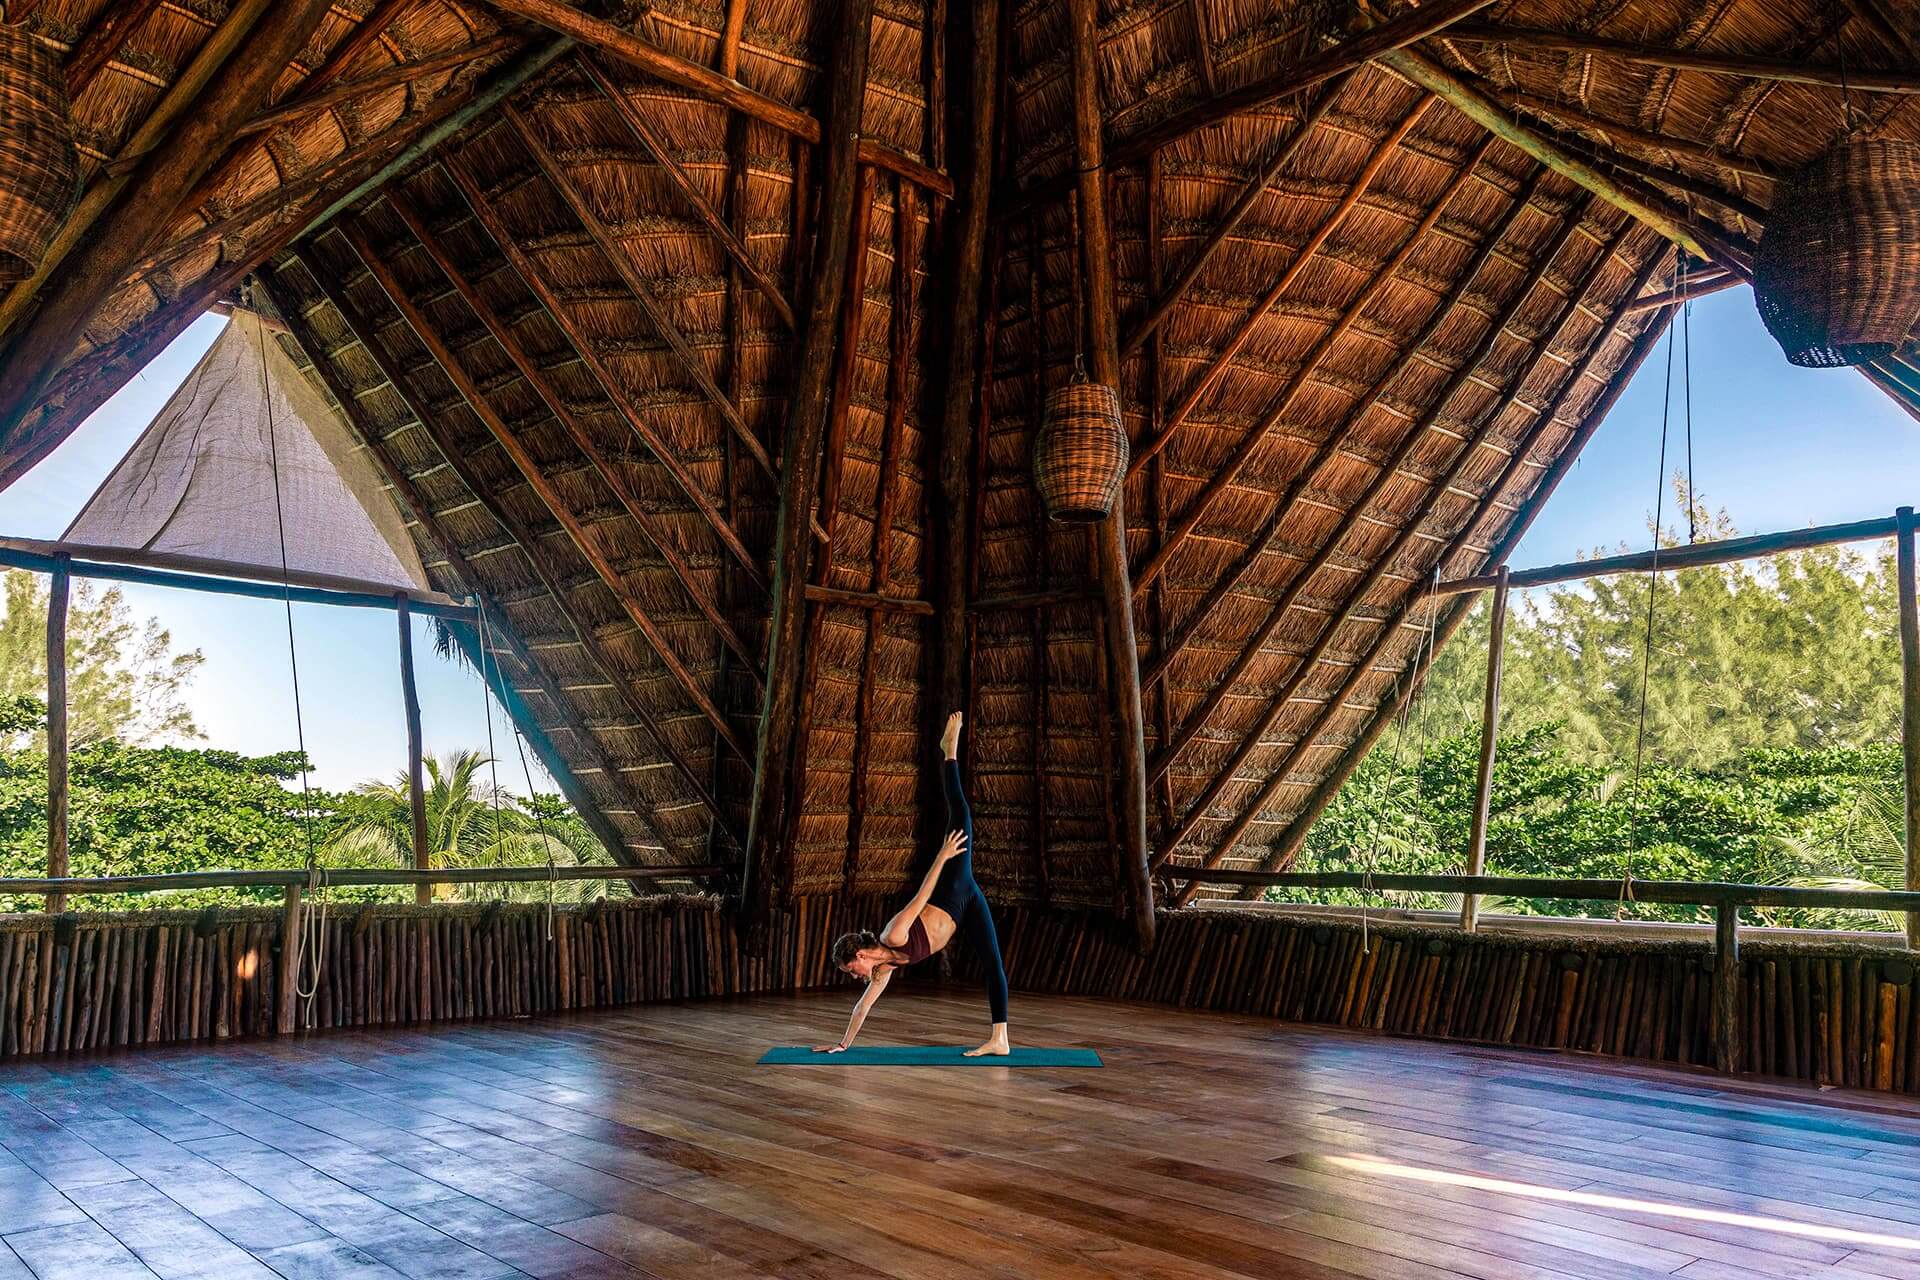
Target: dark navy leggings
x: 958, y: 894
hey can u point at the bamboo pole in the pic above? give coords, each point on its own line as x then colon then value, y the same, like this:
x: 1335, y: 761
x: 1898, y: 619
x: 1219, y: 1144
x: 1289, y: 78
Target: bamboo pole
x: 58, y: 590
x: 1909, y: 702
x: 1489, y: 739
x: 1110, y: 535
x: 416, y: 773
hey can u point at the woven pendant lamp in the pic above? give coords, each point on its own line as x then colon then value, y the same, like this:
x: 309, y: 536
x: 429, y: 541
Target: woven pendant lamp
x: 1080, y: 455
x: 1837, y: 277
x: 39, y: 169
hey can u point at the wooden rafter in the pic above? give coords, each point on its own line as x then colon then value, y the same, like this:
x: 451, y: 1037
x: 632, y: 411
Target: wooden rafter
x: 539, y: 558
x: 803, y: 437
x: 313, y: 98
x: 1220, y: 689
x: 643, y: 132
x: 1338, y: 439
x: 618, y: 42
x: 528, y: 466
x: 1295, y: 834
x: 488, y: 215
x: 609, y: 472
x: 1167, y: 298
x: 1097, y: 256
x: 730, y: 32
x: 1411, y: 528
x: 1203, y: 382
x: 1463, y: 372
x: 1414, y: 24
x: 260, y: 52
x: 1617, y: 132
x: 621, y: 261
x: 443, y: 544
x: 1793, y: 71
x: 103, y: 40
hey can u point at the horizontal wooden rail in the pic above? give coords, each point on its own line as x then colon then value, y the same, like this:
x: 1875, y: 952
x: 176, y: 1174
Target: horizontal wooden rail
x: 1722, y: 551
x: 356, y: 876
x: 190, y: 573
x: 1701, y: 893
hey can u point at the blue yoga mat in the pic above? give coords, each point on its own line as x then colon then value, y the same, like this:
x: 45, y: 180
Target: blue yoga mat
x: 918, y: 1055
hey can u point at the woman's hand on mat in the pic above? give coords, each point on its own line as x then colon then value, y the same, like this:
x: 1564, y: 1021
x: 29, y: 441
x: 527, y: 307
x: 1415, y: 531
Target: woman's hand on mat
x: 829, y: 1048
x: 954, y: 845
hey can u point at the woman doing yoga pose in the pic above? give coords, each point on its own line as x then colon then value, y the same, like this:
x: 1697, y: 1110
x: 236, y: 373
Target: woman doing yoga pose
x: 949, y: 902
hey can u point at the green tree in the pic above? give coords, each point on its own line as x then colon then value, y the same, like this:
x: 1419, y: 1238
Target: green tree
x: 124, y: 679
x: 470, y: 823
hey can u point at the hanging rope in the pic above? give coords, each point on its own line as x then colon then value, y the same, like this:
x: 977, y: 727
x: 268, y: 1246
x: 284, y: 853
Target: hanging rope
x: 1686, y: 382
x: 311, y: 954
x: 486, y: 710
x: 1653, y: 584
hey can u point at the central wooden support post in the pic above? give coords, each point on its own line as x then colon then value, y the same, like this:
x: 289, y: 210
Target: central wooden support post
x: 1909, y: 702
x: 416, y: 782
x: 1110, y: 535
x: 1489, y: 738
x: 807, y: 404
x: 57, y: 592
x: 970, y: 271
x: 1726, y: 988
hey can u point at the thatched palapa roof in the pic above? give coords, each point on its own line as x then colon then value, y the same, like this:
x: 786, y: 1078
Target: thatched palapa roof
x: 583, y: 277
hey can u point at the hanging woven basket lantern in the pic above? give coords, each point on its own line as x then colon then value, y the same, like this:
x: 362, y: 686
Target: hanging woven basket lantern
x: 1837, y: 277
x: 39, y: 169
x: 1080, y: 455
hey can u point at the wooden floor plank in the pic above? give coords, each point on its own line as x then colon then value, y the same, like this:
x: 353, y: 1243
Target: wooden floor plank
x: 646, y: 1143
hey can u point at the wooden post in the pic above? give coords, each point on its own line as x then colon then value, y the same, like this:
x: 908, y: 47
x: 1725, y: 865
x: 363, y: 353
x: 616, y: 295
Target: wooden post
x: 1726, y: 988
x: 286, y: 977
x: 1489, y: 737
x: 1110, y: 535
x: 800, y: 466
x: 416, y: 781
x: 1909, y: 702
x: 57, y: 593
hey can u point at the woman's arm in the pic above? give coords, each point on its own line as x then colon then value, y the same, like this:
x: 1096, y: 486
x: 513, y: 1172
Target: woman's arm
x: 875, y: 986
x: 895, y: 934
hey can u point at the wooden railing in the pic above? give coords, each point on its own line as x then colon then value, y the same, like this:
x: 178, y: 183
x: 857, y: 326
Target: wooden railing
x: 294, y: 884
x: 1725, y: 899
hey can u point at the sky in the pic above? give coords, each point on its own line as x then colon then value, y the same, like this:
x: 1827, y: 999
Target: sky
x: 1776, y: 447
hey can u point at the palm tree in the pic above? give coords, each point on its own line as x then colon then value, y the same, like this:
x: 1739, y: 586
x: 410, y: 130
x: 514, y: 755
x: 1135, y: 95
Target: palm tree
x: 1869, y: 851
x: 470, y: 823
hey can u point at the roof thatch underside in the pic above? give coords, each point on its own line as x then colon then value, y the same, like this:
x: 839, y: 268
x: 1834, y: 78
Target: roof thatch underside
x: 567, y: 333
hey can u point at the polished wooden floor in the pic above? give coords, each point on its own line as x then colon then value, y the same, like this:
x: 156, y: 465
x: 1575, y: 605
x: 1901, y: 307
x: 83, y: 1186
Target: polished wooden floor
x: 645, y: 1142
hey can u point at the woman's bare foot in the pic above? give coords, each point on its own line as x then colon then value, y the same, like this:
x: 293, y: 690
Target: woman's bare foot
x: 996, y: 1045
x: 950, y: 737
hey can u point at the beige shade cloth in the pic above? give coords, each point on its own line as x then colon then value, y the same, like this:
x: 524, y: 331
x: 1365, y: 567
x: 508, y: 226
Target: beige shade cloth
x: 200, y: 480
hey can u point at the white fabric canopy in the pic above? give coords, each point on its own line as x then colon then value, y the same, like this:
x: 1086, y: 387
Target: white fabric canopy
x: 200, y: 480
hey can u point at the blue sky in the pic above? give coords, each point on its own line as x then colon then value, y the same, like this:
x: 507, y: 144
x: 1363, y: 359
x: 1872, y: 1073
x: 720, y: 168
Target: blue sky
x: 1777, y: 447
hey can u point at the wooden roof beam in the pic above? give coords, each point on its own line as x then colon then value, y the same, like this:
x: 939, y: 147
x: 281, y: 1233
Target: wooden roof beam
x: 524, y: 462
x: 1339, y: 437
x: 368, y: 433
x: 609, y: 473
x: 258, y: 51
x: 103, y: 40
x: 313, y: 98
x: 1219, y: 689
x: 488, y: 216
x: 539, y: 559
x: 1357, y: 51
x: 1295, y: 833
x: 1304, y: 665
x: 799, y: 477
x: 617, y: 257
x: 617, y: 42
x: 1201, y: 383
x: 1617, y: 132
x: 655, y: 146
x: 1858, y: 79
x: 1166, y: 299
x: 1097, y: 254
x: 1389, y: 631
